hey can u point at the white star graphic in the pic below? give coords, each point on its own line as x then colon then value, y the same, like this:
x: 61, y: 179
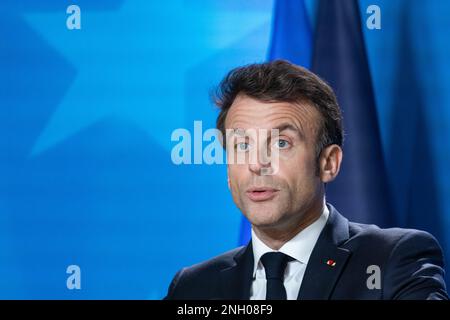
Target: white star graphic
x: 131, y: 62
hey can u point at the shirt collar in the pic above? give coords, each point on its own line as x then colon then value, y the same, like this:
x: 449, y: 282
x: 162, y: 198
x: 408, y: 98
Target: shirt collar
x: 299, y: 247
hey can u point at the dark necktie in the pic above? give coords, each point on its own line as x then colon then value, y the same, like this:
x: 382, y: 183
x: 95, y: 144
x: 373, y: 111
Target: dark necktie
x: 274, y: 265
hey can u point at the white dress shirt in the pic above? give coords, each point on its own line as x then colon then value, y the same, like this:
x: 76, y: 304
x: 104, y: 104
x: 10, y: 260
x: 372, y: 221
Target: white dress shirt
x: 299, y: 248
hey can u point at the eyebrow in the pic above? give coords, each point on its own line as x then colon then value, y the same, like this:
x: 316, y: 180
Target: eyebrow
x: 288, y: 126
x: 281, y: 127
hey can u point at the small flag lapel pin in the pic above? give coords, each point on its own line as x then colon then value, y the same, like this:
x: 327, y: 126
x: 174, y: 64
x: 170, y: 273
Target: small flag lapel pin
x: 331, y: 263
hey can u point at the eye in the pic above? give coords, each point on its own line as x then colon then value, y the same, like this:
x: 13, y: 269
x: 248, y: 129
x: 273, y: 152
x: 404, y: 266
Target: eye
x: 282, y: 144
x: 243, y: 146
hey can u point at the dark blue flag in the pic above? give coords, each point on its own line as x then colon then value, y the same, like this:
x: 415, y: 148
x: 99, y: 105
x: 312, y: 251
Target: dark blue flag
x: 360, y: 191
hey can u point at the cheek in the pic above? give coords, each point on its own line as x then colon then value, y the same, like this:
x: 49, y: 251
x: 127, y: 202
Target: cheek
x: 235, y: 171
x: 298, y: 170
x: 235, y: 175
x: 298, y: 162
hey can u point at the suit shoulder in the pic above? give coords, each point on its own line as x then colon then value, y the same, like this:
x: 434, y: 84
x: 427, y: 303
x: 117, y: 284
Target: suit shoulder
x: 200, y: 280
x: 214, y: 264
x: 391, y: 237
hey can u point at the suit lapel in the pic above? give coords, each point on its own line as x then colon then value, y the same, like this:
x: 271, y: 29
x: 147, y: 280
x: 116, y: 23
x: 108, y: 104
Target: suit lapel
x: 320, y: 277
x: 236, y: 280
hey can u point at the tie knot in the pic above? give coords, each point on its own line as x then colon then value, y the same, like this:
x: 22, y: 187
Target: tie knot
x: 274, y: 264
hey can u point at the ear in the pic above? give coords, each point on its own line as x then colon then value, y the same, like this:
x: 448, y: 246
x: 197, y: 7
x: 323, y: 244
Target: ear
x: 330, y: 162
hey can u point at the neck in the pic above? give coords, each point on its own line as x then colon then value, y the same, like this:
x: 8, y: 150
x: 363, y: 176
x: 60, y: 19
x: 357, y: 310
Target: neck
x: 276, y: 237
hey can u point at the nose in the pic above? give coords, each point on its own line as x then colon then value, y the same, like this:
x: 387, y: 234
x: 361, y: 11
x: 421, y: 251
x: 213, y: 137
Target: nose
x: 260, y: 164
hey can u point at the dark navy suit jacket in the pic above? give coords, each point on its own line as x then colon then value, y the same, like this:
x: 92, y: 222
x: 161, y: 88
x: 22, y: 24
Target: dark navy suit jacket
x: 410, y: 263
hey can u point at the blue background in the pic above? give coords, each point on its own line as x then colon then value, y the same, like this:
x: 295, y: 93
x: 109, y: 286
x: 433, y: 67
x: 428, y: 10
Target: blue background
x: 86, y: 118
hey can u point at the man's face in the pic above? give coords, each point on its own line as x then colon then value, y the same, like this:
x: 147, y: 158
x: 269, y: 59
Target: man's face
x: 280, y: 199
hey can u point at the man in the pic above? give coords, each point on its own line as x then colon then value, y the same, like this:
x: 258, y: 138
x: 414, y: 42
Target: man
x: 301, y: 246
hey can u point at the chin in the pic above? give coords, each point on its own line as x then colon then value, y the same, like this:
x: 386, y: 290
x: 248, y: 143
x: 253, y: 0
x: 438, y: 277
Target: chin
x: 263, y: 218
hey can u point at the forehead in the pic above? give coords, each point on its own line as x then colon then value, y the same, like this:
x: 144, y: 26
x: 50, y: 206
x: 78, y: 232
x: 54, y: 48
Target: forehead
x: 249, y: 113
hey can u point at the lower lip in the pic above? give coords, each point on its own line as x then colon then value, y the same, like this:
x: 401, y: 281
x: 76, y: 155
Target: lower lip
x: 262, y: 195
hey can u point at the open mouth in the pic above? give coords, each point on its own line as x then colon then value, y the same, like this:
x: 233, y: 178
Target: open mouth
x: 261, y: 193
